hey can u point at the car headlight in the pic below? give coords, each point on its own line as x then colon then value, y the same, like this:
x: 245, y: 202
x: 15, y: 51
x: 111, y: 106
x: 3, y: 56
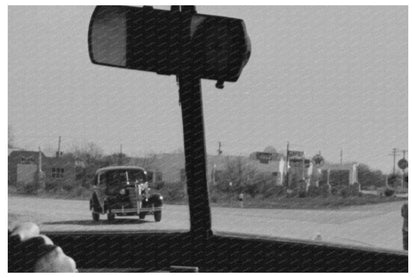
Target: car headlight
x: 122, y: 191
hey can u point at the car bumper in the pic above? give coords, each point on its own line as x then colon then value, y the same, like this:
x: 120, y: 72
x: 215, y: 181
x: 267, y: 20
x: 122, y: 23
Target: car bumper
x: 135, y: 210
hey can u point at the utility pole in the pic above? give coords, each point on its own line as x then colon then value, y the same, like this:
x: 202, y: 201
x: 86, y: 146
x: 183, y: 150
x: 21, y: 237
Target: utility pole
x: 340, y: 156
x: 395, y: 152
x: 41, y: 175
x: 219, y: 148
x: 120, y: 155
x: 58, y: 154
x: 303, y: 166
x: 287, y: 164
x: 404, y: 157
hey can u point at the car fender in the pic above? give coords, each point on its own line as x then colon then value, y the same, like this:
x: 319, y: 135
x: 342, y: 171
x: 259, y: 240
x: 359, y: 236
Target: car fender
x: 156, y: 200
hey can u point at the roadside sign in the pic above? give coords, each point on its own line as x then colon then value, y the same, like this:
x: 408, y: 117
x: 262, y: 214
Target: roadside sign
x: 318, y: 160
x: 264, y: 157
x: 403, y: 164
x: 295, y: 153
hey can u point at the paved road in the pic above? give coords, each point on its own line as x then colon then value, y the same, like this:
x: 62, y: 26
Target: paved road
x: 373, y: 225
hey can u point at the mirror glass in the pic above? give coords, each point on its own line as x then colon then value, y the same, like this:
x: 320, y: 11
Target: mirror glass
x: 108, y: 36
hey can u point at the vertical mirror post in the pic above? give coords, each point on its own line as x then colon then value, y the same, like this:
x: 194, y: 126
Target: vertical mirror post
x: 190, y: 97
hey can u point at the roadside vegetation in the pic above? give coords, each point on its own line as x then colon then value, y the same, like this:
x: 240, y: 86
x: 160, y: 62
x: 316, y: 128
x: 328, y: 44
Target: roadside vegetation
x: 265, y: 197
x: 259, y: 189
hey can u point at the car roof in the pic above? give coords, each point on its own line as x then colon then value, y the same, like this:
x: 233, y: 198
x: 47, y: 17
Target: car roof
x: 111, y: 168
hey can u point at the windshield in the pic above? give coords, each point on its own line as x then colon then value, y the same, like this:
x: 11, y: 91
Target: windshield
x: 117, y: 177
x: 304, y: 146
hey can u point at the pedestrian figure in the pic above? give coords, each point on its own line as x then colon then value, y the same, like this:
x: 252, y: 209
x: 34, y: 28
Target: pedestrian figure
x: 318, y: 237
x: 241, y: 199
x: 405, y: 229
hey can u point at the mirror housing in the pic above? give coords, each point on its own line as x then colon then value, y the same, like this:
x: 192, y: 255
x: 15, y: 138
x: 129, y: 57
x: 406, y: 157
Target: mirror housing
x: 154, y: 40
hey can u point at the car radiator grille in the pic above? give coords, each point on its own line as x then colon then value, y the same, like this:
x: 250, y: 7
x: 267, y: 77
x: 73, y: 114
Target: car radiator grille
x: 132, y: 197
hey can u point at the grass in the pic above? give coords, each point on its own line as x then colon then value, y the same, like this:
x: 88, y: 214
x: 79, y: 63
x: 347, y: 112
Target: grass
x: 330, y: 202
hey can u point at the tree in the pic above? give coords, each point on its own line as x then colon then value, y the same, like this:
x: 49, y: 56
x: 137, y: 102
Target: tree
x: 115, y: 159
x: 91, y: 154
x: 239, y: 175
x: 394, y: 180
x: 368, y: 177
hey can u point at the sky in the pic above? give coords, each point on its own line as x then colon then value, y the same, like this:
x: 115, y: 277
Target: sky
x: 322, y: 78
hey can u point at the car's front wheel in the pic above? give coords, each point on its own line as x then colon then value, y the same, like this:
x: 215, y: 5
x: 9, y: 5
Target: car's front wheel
x: 158, y: 216
x: 95, y: 216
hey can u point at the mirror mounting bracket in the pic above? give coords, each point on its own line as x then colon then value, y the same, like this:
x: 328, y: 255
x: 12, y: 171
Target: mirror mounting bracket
x: 190, y: 98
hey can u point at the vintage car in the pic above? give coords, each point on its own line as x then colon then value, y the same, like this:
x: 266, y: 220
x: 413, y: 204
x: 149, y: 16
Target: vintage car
x: 123, y: 191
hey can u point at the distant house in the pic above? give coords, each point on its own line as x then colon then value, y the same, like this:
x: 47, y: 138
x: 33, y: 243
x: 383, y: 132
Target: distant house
x: 23, y: 166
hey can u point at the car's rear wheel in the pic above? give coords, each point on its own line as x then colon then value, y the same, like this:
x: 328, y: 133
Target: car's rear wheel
x: 142, y: 215
x: 95, y: 216
x: 158, y: 216
x: 111, y: 216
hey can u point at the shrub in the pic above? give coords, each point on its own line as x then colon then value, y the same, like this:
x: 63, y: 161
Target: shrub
x: 388, y: 192
x: 159, y: 185
x: 27, y: 188
x: 291, y: 193
x: 67, y: 187
x: 79, y: 192
x: 214, y: 199
x: 325, y: 190
x: 302, y: 193
x: 51, y: 187
x: 355, y: 189
x: 313, y: 191
x: 252, y: 189
x: 344, y: 192
x: 269, y: 191
x: 334, y: 190
x: 173, y: 192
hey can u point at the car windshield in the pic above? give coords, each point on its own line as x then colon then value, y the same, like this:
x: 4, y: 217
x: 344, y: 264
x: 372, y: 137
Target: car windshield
x: 310, y: 143
x: 122, y: 176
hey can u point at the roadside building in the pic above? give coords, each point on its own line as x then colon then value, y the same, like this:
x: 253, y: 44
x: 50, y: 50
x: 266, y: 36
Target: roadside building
x: 60, y: 170
x: 338, y: 175
x: 24, y: 167
x: 270, y: 163
x: 266, y: 167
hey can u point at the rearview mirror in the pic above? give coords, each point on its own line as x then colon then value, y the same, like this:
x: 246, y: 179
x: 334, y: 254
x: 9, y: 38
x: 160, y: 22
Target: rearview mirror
x: 153, y: 40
